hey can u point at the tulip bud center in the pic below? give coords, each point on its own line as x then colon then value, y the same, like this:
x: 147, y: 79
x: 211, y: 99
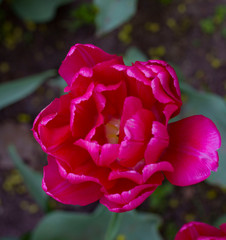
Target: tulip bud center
x: 112, y: 130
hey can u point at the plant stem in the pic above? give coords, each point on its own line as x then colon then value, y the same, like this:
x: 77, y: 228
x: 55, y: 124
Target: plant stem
x: 113, y: 226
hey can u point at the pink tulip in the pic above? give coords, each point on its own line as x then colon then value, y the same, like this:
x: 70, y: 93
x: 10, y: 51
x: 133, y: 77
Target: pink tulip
x: 201, y: 231
x: 108, y: 138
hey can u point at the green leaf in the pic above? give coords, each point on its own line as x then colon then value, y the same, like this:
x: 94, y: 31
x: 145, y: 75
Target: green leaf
x: 16, y: 90
x: 207, y: 25
x: 60, y: 225
x: 37, y: 10
x: 132, y: 55
x: 136, y: 225
x: 213, y: 107
x: 32, y: 179
x: 220, y: 220
x: 9, y: 238
x: 159, y: 198
x: 113, y: 13
x: 58, y: 82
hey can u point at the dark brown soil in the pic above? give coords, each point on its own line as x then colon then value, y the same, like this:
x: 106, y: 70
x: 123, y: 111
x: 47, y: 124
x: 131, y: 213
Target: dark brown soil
x: 171, y: 32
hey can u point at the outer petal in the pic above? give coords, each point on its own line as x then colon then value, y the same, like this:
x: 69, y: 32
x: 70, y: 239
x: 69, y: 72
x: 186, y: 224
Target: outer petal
x: 198, y: 230
x: 192, y: 150
x: 83, y: 55
x: 140, y: 86
x: 157, y: 144
x: 128, y: 200
x: 63, y: 191
x: 51, y: 127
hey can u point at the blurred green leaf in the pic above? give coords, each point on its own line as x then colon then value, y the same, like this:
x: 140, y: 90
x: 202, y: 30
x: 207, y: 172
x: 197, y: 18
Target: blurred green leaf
x: 9, y: 238
x: 213, y: 107
x: 58, y: 82
x: 143, y: 226
x: 166, y: 2
x: 32, y: 179
x: 111, y: 14
x: 220, y: 221
x: 60, y: 225
x: 220, y: 13
x: 37, y: 10
x: 16, y: 90
x: 171, y: 230
x: 158, y: 199
x: 132, y: 55
x: 207, y: 25
x: 178, y: 71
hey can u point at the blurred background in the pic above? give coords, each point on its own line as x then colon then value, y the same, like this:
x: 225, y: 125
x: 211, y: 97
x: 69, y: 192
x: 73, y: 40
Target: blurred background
x: 35, y: 37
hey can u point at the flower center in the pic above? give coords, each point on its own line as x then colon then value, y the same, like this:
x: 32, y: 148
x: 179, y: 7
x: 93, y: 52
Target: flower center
x: 112, y: 130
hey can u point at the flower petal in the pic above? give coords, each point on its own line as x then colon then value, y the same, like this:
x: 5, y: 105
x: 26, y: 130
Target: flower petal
x: 51, y: 126
x: 63, y: 191
x: 198, y: 230
x: 83, y: 55
x: 128, y: 200
x: 192, y: 150
x: 157, y: 143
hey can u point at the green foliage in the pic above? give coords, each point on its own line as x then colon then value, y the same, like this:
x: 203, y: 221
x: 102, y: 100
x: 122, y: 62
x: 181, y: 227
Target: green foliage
x: 132, y: 55
x: 223, y: 32
x: 213, y: 107
x: 158, y: 199
x: 220, y: 220
x: 83, y: 15
x: 32, y: 179
x: 220, y: 13
x: 166, y: 2
x: 60, y: 225
x: 37, y: 10
x: 8, y: 238
x: 207, y: 25
x: 171, y: 230
x: 111, y: 14
x: 16, y: 90
x: 58, y: 82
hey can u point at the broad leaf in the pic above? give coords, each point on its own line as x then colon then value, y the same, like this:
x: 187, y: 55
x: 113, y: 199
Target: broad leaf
x: 213, y: 107
x: 32, y: 179
x: 111, y: 14
x: 59, y: 83
x: 220, y: 220
x: 9, y: 238
x: 37, y: 10
x: 60, y: 225
x: 16, y: 90
x: 132, y: 55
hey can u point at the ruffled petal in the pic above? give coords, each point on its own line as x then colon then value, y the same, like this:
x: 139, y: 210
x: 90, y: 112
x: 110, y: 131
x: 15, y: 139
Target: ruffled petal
x: 63, y: 191
x: 109, y: 153
x: 80, y: 56
x: 157, y: 143
x: 137, y: 131
x: 127, y: 200
x: 51, y: 127
x: 198, y: 230
x: 84, y: 114
x: 192, y: 150
x: 130, y: 107
x: 140, y: 86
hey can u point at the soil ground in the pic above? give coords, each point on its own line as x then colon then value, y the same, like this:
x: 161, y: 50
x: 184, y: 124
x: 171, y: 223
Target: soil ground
x: 171, y: 32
